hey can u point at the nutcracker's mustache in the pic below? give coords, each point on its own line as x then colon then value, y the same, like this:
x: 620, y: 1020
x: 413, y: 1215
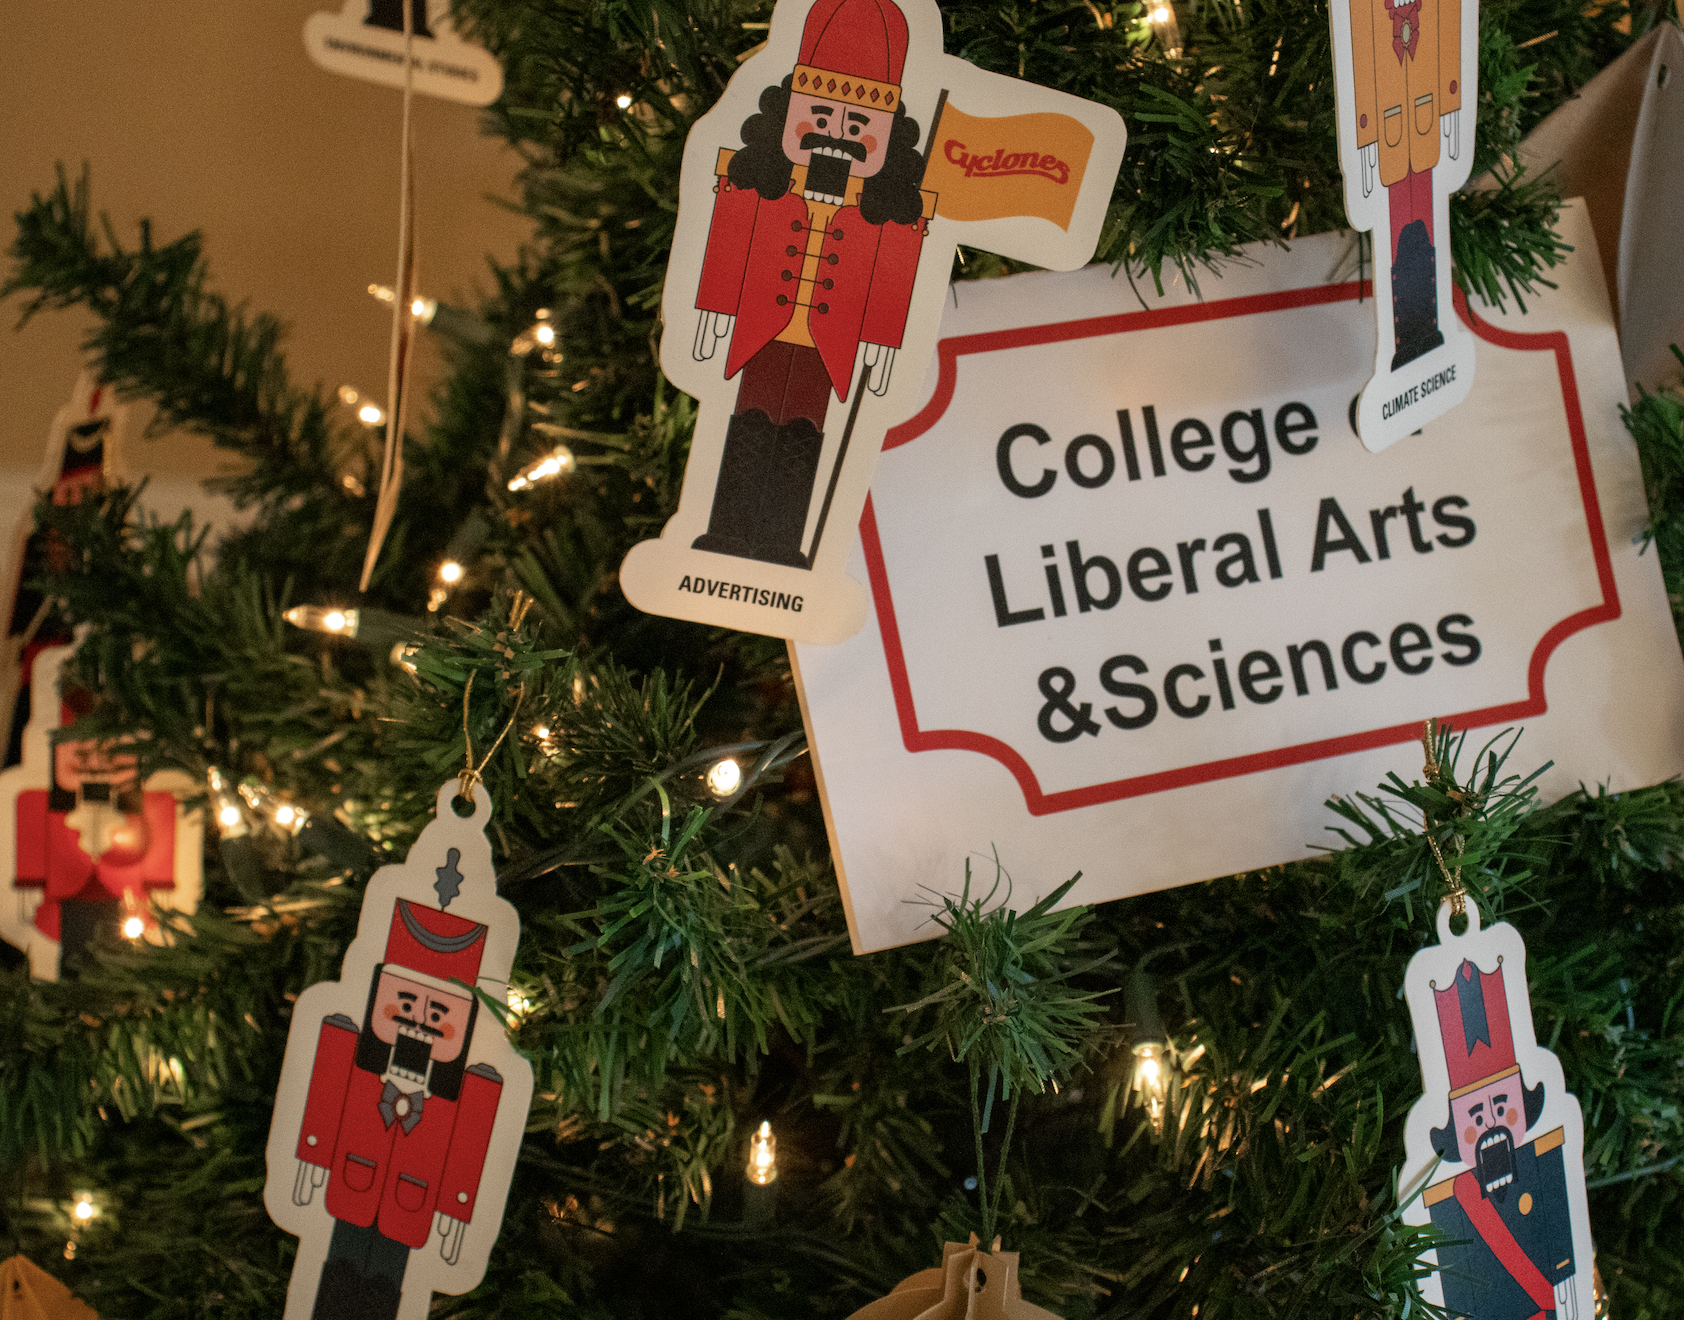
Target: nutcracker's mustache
x: 1494, y: 1162
x: 831, y: 146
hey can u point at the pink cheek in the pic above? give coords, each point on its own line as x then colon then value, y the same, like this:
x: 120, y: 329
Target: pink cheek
x: 803, y: 128
x: 448, y: 1031
x: 1512, y: 1118
x: 389, y: 1012
x: 869, y: 143
x: 1469, y: 1134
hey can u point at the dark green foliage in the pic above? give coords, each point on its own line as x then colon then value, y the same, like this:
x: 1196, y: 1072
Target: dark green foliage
x: 684, y: 971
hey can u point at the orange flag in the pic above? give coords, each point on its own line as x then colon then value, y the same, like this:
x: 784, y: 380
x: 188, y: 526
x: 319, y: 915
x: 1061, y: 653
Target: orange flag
x: 28, y: 1292
x: 1014, y: 165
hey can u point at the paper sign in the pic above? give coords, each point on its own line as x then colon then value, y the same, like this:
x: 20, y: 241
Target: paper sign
x: 1495, y: 1145
x: 820, y: 203
x: 1142, y: 601
x: 1403, y: 73
x: 365, y: 39
x: 402, y: 1100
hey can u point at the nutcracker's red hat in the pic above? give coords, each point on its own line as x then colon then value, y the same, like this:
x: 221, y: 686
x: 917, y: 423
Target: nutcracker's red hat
x: 1473, y: 1018
x: 853, y: 50
x: 434, y: 943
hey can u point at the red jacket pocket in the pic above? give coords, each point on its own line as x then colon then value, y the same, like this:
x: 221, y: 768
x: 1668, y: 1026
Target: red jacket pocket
x: 359, y: 1173
x: 411, y: 1192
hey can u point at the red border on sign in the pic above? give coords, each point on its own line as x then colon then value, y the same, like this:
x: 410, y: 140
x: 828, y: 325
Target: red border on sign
x: 1041, y: 803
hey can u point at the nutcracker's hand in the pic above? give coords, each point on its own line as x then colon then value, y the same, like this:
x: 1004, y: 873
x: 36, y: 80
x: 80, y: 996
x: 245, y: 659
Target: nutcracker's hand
x: 879, y: 362
x: 1566, y: 1300
x: 710, y: 329
x: 451, y: 1231
x: 1452, y: 123
x: 1370, y: 156
x: 310, y: 1176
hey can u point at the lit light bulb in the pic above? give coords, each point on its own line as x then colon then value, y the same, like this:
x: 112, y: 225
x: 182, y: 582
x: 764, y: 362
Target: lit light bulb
x: 323, y: 618
x: 623, y: 101
x: 401, y: 653
x: 541, y: 732
x: 84, y: 1209
x: 450, y: 571
x: 1151, y: 1080
x: 229, y: 816
x: 285, y: 815
x: 348, y: 396
x: 540, y: 334
x: 1161, y: 18
x: 724, y: 778
x: 763, y: 1156
x: 134, y: 928
x: 558, y: 462
x: 518, y: 1002
x: 371, y: 414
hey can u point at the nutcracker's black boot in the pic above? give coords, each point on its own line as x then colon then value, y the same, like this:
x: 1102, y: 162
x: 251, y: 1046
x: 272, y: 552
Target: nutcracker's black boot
x: 1414, y: 295
x: 738, y: 494
x: 791, y: 467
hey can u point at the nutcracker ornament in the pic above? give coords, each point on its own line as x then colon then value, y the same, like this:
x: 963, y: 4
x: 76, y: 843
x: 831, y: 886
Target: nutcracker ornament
x: 89, y: 852
x: 402, y: 1101
x: 1403, y: 70
x: 820, y: 203
x: 1494, y: 1148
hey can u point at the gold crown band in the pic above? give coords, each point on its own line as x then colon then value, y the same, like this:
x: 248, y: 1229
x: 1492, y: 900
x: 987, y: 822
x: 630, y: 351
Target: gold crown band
x: 1461, y: 1091
x: 834, y: 86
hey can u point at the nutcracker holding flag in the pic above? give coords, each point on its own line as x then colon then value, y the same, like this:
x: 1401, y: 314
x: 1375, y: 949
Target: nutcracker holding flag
x: 820, y: 269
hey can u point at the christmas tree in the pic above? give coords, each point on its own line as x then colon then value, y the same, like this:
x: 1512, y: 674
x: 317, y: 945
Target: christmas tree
x: 684, y: 973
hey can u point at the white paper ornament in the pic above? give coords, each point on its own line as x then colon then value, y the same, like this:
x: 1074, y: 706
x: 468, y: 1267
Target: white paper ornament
x: 1494, y: 1148
x: 1406, y: 77
x: 365, y: 40
x: 820, y: 203
x: 402, y: 1101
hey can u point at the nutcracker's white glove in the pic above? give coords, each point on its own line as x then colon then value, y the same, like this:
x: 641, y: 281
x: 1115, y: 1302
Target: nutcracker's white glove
x: 1452, y: 124
x: 1370, y: 157
x: 451, y: 1231
x: 711, y: 327
x: 879, y: 362
x: 1566, y: 1300
x: 310, y: 1176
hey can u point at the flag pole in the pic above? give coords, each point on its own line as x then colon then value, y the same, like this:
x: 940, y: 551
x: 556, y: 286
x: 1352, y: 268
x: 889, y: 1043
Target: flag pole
x: 865, y: 375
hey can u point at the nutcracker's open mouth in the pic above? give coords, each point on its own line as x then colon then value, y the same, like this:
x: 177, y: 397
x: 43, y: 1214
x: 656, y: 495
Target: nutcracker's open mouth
x: 829, y: 164
x: 1494, y: 1162
x: 411, y: 1052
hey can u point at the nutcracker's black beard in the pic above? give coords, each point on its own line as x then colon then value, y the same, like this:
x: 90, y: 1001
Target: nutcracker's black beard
x: 829, y: 174
x: 412, y: 1055
x: 1494, y: 1163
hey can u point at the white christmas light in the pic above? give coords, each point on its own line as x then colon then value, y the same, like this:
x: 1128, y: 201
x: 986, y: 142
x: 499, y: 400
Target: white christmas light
x: 84, y: 1209
x: 558, y: 462
x: 540, y: 334
x: 228, y: 816
x: 323, y: 618
x: 544, y: 334
x: 450, y: 571
x: 763, y: 1156
x: 1161, y: 17
x: 371, y: 414
x: 134, y: 928
x: 623, y: 101
x: 285, y: 815
x: 1151, y: 1080
x: 724, y: 778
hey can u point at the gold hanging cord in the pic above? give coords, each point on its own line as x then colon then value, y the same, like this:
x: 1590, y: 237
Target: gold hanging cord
x: 471, y: 774
x: 1458, y: 893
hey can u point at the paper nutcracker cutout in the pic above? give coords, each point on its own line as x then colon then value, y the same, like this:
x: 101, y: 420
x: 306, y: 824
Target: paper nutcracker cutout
x: 365, y: 39
x: 86, y: 850
x: 819, y: 206
x: 968, y: 1285
x: 85, y: 446
x: 1403, y: 72
x: 1496, y: 1139
x: 402, y: 1102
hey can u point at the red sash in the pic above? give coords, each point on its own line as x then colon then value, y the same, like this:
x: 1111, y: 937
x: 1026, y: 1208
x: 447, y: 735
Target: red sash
x: 1495, y: 1234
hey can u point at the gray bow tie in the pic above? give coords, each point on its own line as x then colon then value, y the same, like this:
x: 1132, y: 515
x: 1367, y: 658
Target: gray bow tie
x: 410, y: 1112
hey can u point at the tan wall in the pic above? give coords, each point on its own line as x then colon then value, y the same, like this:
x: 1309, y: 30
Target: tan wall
x: 211, y: 116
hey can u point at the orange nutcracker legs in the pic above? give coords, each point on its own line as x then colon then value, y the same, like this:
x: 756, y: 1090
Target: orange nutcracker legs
x: 771, y: 457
